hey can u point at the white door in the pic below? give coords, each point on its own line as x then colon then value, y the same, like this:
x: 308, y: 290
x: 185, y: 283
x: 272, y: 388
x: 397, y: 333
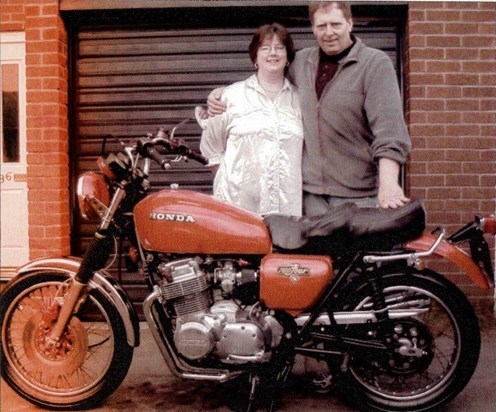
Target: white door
x: 13, y: 182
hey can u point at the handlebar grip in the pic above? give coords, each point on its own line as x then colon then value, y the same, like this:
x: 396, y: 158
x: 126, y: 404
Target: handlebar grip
x: 155, y: 155
x: 190, y: 154
x: 198, y: 157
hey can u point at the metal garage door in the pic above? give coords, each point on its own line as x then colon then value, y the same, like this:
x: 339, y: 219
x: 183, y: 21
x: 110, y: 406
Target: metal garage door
x: 132, y: 73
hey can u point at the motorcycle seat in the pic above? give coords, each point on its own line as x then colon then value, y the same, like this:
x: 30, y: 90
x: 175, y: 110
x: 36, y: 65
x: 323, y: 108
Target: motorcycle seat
x: 348, y: 227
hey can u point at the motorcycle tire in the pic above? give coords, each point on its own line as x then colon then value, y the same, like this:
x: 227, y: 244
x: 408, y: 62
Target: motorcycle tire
x: 90, y: 362
x: 435, y: 352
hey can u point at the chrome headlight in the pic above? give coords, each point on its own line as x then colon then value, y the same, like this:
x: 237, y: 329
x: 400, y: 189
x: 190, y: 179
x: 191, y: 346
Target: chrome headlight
x: 93, y: 195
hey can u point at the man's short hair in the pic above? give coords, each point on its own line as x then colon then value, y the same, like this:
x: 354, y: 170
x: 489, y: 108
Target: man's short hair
x: 344, y: 6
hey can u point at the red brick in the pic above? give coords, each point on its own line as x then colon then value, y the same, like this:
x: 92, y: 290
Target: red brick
x: 50, y: 9
x: 444, y: 117
x: 32, y: 10
x: 461, y: 78
x: 426, y: 54
x: 417, y: 40
x: 443, y: 41
x: 487, y: 54
x: 429, y: 155
x: 445, y: 15
x: 462, y: 155
x: 460, y: 28
x: 427, y: 104
x: 417, y: 118
x: 416, y: 78
x: 477, y: 193
x: 477, y: 41
x: 478, y: 167
x: 444, y: 141
x: 426, y: 28
x: 478, y: 15
x: 418, y: 168
x: 461, y: 130
x: 462, y: 54
x: 444, y: 193
x: 428, y: 180
x: 461, y: 180
x: 463, y: 105
x: 448, y: 92
x: 479, y: 91
x: 425, y: 5
x: 478, y: 66
x: 416, y: 15
x: 462, y: 204
x: 443, y: 66
x: 479, y: 117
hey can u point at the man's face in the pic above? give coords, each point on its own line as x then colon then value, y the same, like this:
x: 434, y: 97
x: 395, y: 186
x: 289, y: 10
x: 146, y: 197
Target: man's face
x: 332, y: 30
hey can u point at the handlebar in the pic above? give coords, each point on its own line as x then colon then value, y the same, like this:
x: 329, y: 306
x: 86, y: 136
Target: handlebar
x: 147, y: 148
x: 177, y: 147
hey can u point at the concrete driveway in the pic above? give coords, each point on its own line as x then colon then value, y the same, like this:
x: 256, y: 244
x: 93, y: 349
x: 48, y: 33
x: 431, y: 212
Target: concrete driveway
x: 150, y: 386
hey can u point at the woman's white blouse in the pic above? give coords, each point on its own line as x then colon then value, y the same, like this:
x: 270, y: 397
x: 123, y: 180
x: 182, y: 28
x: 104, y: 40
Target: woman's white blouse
x: 257, y: 144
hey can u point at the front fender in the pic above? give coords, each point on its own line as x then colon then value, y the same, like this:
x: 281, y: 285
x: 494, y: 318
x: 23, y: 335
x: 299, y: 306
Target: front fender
x: 454, y: 254
x: 101, y: 281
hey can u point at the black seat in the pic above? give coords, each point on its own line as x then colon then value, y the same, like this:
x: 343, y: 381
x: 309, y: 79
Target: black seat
x: 347, y: 227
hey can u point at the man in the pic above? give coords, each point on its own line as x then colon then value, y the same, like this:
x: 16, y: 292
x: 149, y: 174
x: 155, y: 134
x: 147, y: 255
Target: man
x: 355, y: 136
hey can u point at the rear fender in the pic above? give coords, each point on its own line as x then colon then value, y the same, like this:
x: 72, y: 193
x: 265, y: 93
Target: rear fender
x: 101, y: 281
x: 454, y: 254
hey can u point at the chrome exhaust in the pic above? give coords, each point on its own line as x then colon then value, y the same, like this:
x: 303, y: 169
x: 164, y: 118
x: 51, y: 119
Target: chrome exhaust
x: 175, y: 364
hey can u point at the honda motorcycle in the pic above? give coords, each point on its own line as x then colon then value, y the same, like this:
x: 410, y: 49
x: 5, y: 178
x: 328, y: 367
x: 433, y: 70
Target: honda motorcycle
x: 236, y: 295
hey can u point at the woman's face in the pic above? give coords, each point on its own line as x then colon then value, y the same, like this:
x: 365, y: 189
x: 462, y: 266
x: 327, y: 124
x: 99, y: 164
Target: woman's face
x: 272, y: 56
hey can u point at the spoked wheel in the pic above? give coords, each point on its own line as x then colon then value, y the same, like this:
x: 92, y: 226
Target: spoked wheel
x: 86, y: 365
x: 433, y: 354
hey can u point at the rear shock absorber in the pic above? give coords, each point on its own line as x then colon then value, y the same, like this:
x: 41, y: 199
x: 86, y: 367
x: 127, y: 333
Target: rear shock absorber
x: 377, y: 294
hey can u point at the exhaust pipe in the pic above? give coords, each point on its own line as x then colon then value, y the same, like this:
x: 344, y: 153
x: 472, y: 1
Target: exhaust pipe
x: 175, y: 364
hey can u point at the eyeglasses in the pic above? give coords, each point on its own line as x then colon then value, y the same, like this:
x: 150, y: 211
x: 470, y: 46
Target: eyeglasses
x: 278, y: 49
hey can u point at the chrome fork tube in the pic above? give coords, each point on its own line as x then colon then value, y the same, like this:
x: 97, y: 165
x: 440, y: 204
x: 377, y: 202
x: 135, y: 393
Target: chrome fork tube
x: 109, y: 215
x: 94, y: 258
x: 70, y: 302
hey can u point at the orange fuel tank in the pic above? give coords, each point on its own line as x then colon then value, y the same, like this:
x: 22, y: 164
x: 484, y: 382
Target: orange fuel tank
x: 293, y: 283
x: 182, y: 221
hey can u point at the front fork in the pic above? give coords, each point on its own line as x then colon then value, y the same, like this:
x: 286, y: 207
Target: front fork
x: 94, y: 259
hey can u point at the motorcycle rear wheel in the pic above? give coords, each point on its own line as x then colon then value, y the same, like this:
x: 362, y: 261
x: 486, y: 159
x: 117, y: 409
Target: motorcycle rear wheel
x: 448, y: 336
x: 90, y: 361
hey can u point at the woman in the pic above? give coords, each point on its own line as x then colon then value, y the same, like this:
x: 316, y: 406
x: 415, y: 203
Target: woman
x: 255, y: 147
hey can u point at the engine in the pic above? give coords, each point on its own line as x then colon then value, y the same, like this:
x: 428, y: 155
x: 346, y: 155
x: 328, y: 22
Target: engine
x: 213, y: 326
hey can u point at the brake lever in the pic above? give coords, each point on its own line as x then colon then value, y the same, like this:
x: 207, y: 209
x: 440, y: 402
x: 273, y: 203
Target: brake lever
x: 184, y: 121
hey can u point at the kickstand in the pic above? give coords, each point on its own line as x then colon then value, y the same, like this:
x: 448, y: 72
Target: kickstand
x: 251, y: 399
x: 271, y: 396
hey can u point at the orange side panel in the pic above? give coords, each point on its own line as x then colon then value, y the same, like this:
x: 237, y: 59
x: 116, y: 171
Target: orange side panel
x: 453, y: 254
x: 293, y: 283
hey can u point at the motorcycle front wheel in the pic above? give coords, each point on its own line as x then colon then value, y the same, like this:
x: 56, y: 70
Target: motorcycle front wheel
x: 78, y: 372
x: 433, y: 355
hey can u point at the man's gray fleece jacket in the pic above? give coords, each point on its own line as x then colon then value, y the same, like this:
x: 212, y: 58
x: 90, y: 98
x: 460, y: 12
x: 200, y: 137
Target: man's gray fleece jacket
x: 358, y: 120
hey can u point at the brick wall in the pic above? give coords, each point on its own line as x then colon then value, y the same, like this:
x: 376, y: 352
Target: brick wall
x: 451, y: 109
x: 47, y: 122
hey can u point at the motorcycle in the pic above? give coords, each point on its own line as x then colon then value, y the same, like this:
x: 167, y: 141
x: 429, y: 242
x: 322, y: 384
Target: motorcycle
x: 233, y: 295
